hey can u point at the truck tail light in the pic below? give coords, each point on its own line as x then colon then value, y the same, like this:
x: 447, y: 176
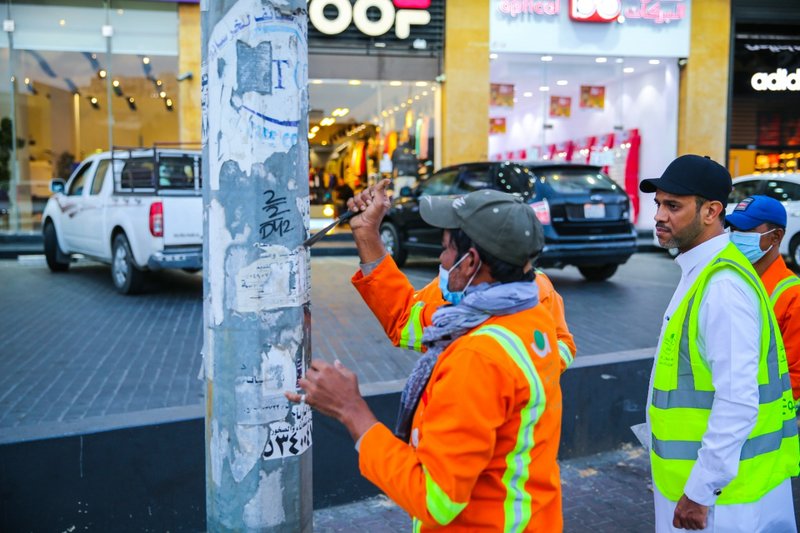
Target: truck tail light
x: 157, y: 219
x: 542, y: 211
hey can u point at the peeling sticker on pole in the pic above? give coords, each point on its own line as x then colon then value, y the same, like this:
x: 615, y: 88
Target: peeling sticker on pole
x: 278, y: 278
x: 257, y: 77
x: 264, y: 510
x: 260, y: 402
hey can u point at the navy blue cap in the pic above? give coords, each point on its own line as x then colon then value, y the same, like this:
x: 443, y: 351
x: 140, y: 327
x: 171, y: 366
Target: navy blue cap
x: 756, y: 210
x: 693, y: 175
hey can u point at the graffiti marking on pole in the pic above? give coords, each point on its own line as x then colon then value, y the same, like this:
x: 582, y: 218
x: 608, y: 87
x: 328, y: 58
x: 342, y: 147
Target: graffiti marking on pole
x: 275, y: 223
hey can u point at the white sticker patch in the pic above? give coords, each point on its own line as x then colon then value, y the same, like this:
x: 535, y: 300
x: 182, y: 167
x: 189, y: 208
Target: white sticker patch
x: 246, y: 454
x: 279, y: 278
x: 266, y: 507
x: 260, y: 399
x: 218, y: 233
x: 219, y: 451
x: 287, y: 440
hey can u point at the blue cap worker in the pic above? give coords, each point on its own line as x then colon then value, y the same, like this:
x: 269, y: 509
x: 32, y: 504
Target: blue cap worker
x: 758, y: 225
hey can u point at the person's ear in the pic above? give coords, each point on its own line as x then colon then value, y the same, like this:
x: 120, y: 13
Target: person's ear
x: 777, y: 236
x: 712, y: 210
x: 474, y: 258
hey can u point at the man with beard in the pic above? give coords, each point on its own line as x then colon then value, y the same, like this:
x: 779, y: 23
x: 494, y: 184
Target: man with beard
x: 720, y: 409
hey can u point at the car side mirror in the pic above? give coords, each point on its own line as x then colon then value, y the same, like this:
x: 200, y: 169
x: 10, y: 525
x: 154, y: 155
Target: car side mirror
x: 57, y: 185
x: 405, y: 192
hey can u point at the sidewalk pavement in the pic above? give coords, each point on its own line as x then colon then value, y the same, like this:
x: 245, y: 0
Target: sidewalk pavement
x: 610, y: 492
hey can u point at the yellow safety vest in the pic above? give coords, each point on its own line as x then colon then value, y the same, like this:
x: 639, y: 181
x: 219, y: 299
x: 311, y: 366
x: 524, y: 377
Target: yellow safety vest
x: 683, y: 394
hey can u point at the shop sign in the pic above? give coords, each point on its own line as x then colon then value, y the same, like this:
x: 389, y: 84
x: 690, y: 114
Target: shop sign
x: 594, y: 10
x: 780, y: 80
x: 606, y: 11
x: 767, y: 66
x: 400, y: 14
x: 532, y: 7
x: 626, y: 28
x: 600, y: 11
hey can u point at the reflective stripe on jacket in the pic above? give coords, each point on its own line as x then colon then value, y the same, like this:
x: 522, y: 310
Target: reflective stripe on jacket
x: 783, y: 286
x: 409, y: 312
x: 683, y: 395
x: 485, y: 436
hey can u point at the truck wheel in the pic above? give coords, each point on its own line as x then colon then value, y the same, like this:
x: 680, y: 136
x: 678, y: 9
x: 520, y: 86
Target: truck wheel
x: 56, y: 260
x: 597, y: 273
x: 128, y: 279
x: 391, y: 241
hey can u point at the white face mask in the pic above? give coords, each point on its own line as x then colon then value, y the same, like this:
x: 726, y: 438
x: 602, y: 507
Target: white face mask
x: 749, y: 243
x: 454, y: 297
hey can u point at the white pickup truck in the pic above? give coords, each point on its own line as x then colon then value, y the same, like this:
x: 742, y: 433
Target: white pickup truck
x: 136, y: 209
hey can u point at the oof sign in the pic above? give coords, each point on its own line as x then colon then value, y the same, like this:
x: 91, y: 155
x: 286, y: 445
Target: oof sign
x: 400, y: 14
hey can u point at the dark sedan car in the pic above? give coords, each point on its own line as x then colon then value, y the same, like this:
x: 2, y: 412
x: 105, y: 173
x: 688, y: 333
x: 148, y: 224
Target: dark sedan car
x: 584, y: 213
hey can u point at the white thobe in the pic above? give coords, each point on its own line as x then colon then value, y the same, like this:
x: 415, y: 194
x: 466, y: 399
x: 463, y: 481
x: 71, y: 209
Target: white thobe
x: 729, y: 341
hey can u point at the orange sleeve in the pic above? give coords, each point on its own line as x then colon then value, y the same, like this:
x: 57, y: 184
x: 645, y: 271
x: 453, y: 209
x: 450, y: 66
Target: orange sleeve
x: 555, y: 304
x: 402, y: 312
x: 434, y: 481
x: 787, y: 310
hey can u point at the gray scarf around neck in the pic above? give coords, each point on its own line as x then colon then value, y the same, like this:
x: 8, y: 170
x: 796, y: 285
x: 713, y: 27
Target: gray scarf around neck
x: 451, y: 322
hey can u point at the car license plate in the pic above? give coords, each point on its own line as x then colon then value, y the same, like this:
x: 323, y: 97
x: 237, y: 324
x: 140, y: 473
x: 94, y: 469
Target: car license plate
x: 594, y: 210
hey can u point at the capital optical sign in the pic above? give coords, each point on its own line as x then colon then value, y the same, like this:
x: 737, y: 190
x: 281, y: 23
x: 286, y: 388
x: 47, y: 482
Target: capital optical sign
x: 401, y: 15
x: 600, y: 11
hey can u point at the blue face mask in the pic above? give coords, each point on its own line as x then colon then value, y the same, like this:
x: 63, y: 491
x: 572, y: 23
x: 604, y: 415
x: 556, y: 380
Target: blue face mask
x: 454, y: 297
x: 749, y: 243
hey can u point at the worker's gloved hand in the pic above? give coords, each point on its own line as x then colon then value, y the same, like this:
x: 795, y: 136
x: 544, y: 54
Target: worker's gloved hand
x: 371, y: 204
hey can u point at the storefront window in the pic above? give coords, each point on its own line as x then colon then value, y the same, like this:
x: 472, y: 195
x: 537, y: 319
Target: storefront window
x: 765, y: 121
x: 361, y: 131
x: 7, y: 185
x: 87, y: 75
x: 145, y: 99
x: 618, y: 113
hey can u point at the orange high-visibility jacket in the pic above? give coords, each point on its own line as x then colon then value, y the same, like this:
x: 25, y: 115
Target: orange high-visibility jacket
x: 485, y: 435
x: 404, y: 325
x: 783, y: 286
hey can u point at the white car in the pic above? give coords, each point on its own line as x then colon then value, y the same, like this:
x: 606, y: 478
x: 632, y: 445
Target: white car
x: 783, y: 187
x: 138, y: 210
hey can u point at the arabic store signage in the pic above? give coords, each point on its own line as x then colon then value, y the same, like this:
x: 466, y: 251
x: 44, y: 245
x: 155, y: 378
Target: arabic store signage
x: 398, y: 14
x: 600, y: 11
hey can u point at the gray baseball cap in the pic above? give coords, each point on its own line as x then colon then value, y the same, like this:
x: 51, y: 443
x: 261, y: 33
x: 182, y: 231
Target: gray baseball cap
x: 498, y: 222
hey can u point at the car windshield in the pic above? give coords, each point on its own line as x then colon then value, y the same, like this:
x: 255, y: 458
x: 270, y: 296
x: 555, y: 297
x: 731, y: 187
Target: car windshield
x: 576, y: 181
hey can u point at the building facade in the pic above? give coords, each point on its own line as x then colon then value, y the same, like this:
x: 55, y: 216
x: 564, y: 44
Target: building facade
x: 401, y: 87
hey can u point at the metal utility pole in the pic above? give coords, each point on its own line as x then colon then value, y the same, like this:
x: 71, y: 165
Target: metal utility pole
x: 256, y: 279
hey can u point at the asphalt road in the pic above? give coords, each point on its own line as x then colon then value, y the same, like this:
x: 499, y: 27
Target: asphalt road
x: 72, y: 348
